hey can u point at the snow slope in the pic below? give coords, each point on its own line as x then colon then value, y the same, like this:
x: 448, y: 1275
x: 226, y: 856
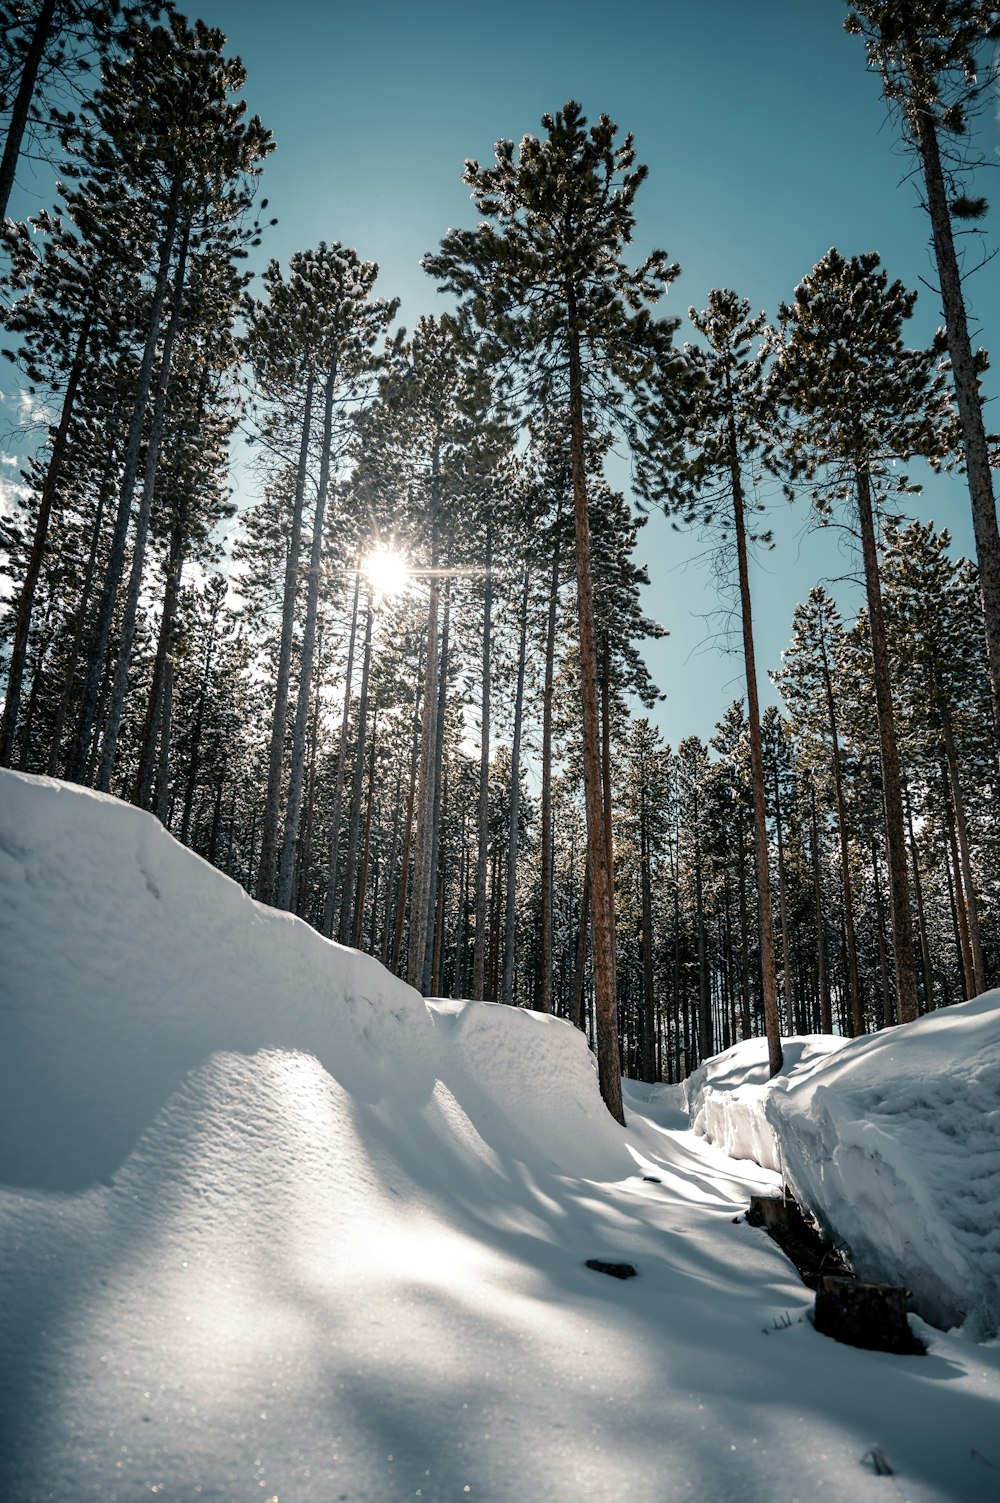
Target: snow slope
x: 272, y: 1227
x: 893, y: 1140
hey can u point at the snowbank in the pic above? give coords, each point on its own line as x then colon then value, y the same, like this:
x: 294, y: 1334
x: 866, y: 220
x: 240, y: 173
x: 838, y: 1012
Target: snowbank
x: 892, y: 1140
x: 726, y: 1096
x: 272, y: 1227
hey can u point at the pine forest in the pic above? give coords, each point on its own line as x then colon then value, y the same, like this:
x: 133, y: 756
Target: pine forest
x: 401, y: 691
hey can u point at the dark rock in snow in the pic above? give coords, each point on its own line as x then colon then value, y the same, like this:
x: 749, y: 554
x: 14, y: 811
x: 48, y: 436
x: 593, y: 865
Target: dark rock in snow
x: 616, y: 1270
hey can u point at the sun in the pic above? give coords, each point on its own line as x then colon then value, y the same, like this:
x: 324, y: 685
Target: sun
x: 387, y: 571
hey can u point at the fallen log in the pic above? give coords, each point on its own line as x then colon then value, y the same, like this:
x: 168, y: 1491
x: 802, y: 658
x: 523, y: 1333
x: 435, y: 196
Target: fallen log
x: 799, y: 1238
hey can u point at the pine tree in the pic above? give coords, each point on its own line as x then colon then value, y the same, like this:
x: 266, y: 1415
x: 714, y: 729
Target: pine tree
x: 166, y: 167
x: 806, y: 680
x: 50, y: 47
x: 726, y: 416
x: 545, y: 273
x: 313, y: 343
x: 933, y: 56
x: 860, y: 400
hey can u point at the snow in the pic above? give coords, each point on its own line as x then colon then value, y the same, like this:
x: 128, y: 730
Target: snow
x: 273, y: 1227
x: 893, y: 1141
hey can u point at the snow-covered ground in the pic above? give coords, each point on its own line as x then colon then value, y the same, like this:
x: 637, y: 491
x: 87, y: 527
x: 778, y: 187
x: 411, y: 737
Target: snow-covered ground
x: 272, y: 1227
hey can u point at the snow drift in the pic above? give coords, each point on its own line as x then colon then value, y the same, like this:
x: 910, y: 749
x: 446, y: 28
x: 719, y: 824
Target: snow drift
x: 892, y: 1140
x: 273, y: 1227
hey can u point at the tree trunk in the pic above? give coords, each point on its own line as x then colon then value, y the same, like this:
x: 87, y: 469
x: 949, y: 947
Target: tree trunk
x: 330, y: 900
x: 925, y: 955
x: 786, y: 967
x: 22, y: 101
x: 421, y: 888
x: 962, y: 833
x: 856, y: 1022
x: 404, y: 860
x: 163, y: 770
x: 119, y: 685
x: 580, y: 969
x: 967, y: 392
x: 883, y: 964
x: 286, y: 866
x: 22, y: 626
x: 545, y: 959
x: 483, y: 820
x: 154, y: 709
x: 79, y: 626
x: 266, y: 866
x: 347, y: 911
x: 772, y: 1022
x: 433, y: 914
x: 367, y: 845
x: 80, y: 755
x: 895, y: 837
x: 305, y: 853
x: 746, y: 1028
x: 605, y: 1002
x: 199, y: 720
x: 961, y: 915
x: 822, y: 983
x: 510, y: 913
x: 649, y: 1063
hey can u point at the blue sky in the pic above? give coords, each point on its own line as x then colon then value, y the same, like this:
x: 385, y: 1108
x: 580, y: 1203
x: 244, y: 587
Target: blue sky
x: 766, y: 140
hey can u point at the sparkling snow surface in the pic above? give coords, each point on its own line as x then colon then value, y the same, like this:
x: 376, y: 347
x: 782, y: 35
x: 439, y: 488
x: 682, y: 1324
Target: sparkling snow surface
x: 272, y: 1227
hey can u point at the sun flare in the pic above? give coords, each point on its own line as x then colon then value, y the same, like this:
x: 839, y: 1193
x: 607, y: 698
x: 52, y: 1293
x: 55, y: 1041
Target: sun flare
x: 387, y: 571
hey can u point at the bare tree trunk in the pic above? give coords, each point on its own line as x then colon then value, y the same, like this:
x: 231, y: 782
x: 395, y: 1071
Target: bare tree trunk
x: 26, y: 600
x: 163, y: 770
x: 436, y: 803
x: 855, y: 1017
x: 958, y: 896
x: 305, y: 852
x: 267, y: 865
x: 962, y: 833
x: 367, y: 844
x: 883, y: 962
x: 746, y: 1028
x: 705, y: 1049
x: 650, y: 1071
x: 154, y: 709
x: 822, y: 983
x: 80, y: 754
x: 510, y: 913
x: 79, y: 625
x: 892, y: 798
x: 421, y: 889
x: 119, y: 684
x: 194, y: 765
x: 388, y: 883
x: 605, y: 1001
x: 772, y: 1021
x: 404, y: 860
x: 483, y: 821
x: 967, y: 390
x: 545, y: 987
x: 925, y: 956
x: 330, y: 900
x: 286, y: 865
x: 22, y: 101
x: 786, y: 966
x: 580, y: 969
x: 347, y: 911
